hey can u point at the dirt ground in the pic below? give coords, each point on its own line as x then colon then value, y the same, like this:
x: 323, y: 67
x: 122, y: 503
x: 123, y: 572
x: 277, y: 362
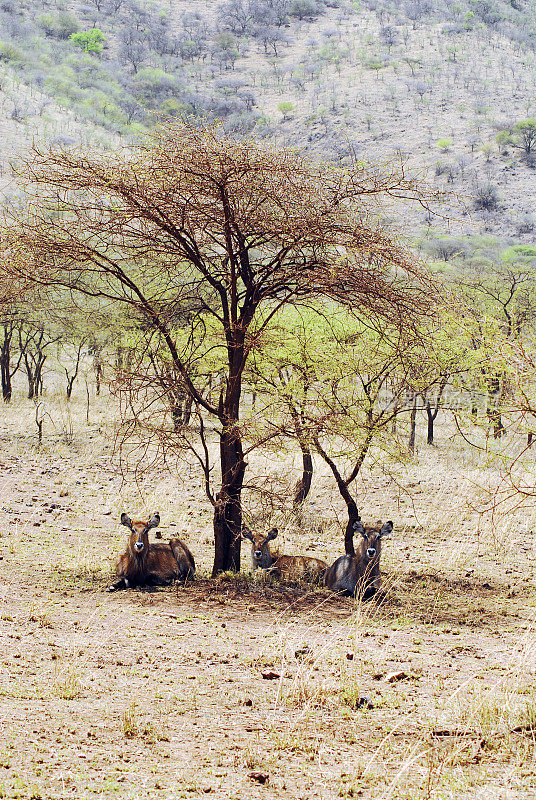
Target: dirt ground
x: 234, y: 688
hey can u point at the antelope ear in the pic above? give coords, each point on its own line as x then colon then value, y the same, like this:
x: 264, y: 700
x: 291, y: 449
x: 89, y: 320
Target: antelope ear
x: 125, y: 520
x: 386, y: 529
x: 359, y: 528
x: 246, y: 533
x: 271, y: 534
x: 154, y: 522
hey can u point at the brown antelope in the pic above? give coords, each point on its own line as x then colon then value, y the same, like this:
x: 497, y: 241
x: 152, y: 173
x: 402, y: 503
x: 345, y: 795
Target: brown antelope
x: 286, y: 567
x: 151, y: 564
x: 360, y: 572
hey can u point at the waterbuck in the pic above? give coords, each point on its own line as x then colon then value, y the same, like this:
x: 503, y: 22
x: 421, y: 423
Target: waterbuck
x: 285, y: 567
x: 147, y: 563
x: 359, y: 573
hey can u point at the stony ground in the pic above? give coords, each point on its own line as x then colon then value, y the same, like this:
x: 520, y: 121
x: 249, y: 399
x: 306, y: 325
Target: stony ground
x: 233, y: 688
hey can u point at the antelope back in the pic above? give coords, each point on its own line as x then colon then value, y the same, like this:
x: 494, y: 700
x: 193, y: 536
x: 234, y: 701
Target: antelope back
x: 305, y: 568
x: 184, y: 558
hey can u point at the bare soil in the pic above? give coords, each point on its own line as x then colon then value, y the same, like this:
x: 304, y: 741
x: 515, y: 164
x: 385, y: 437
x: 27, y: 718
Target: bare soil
x: 237, y: 688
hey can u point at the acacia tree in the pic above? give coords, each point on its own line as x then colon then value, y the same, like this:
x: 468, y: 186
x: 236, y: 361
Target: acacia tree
x: 343, y: 380
x: 193, y: 217
x: 498, y: 299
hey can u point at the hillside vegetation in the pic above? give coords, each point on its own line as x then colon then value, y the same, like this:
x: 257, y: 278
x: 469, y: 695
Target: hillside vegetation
x: 448, y: 86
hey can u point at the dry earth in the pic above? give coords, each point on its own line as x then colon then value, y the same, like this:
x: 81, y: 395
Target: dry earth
x: 145, y: 694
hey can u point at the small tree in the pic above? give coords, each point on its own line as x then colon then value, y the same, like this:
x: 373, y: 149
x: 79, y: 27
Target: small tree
x: 336, y: 383
x: 444, y: 145
x: 525, y: 135
x: 90, y: 41
x: 286, y: 110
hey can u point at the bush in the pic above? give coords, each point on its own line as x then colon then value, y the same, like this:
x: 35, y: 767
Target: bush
x: 8, y: 52
x: 172, y: 107
x: 444, y: 145
x: 304, y: 9
x: 152, y: 85
x: 90, y: 41
x: 525, y: 223
x: 486, y: 197
x: 58, y: 26
x: 286, y: 109
x: 503, y: 139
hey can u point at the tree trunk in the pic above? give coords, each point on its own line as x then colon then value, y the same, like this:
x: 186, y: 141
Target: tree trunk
x: 177, y: 410
x: 303, y: 486
x: 342, y: 484
x: 97, y: 366
x: 38, y: 382
x: 187, y: 410
x: 5, y: 363
x: 412, y: 425
x: 228, y: 509
x: 394, y: 415
x: 119, y: 362
x: 353, y: 517
x: 430, y: 423
x: 494, y: 401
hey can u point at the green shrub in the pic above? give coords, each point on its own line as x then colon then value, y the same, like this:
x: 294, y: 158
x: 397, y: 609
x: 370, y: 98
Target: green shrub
x: 8, y: 52
x: 152, y: 83
x: 58, y: 26
x: 503, y: 139
x: 172, y: 107
x: 90, y: 41
x: 286, y: 109
x: 444, y: 144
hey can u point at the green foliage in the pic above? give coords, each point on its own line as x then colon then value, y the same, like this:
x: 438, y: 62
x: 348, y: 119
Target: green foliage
x: 226, y: 41
x: 503, y: 139
x: 525, y: 251
x: 374, y: 64
x: 469, y: 20
x: 150, y: 83
x: 332, y: 53
x: 90, y: 41
x: 172, y: 107
x: 526, y: 134
x: 444, y: 145
x: 58, y: 26
x: 286, y: 109
x: 10, y: 53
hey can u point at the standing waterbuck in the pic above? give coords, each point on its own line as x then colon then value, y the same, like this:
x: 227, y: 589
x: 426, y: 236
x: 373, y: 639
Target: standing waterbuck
x: 285, y: 567
x: 359, y: 573
x: 147, y: 563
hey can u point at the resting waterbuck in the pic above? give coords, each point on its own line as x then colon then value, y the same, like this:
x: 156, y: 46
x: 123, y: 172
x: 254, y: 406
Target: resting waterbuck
x: 285, y: 567
x: 147, y: 563
x: 360, y: 573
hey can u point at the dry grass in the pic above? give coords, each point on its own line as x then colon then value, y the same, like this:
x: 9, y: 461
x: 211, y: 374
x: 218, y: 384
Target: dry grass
x: 176, y: 675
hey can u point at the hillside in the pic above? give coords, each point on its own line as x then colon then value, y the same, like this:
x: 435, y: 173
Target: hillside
x: 435, y: 85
